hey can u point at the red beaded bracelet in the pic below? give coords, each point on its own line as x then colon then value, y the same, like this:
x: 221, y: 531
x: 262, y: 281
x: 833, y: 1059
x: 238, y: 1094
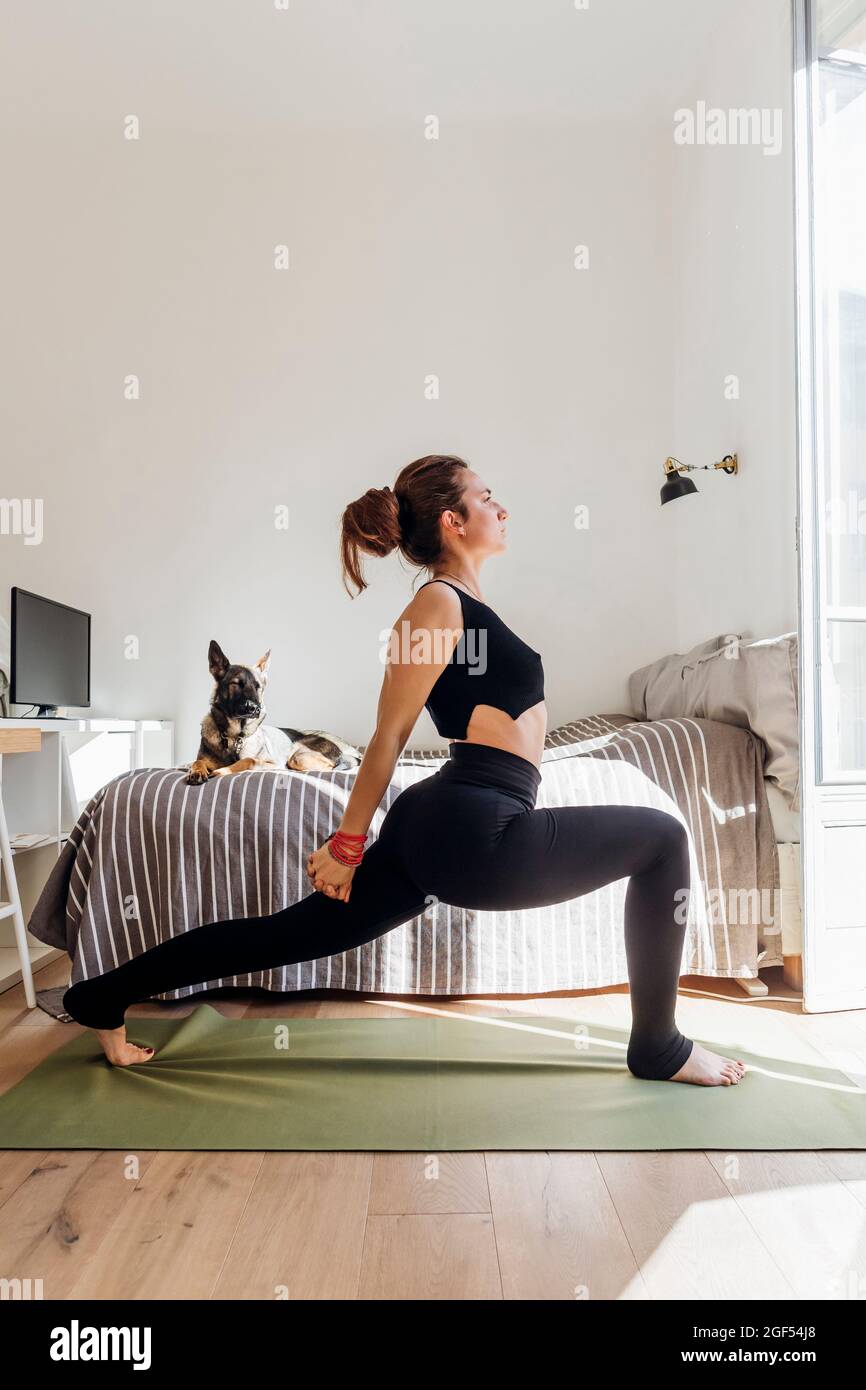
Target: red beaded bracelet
x: 346, y: 848
x: 342, y: 858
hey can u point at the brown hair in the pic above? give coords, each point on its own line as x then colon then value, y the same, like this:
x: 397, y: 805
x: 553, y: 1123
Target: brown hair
x: 407, y: 517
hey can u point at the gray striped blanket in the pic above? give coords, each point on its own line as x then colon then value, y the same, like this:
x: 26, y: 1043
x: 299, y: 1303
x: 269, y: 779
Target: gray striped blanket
x: 151, y: 856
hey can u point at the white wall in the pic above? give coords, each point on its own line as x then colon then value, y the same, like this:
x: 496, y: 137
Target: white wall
x: 408, y: 257
x: 735, y: 565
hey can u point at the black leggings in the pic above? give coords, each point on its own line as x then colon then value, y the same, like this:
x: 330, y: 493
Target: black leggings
x: 468, y: 835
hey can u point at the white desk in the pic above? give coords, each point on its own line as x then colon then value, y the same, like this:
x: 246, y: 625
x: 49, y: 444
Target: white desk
x: 44, y: 793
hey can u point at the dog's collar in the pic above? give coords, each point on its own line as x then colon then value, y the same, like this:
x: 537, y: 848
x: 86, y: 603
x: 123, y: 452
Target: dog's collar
x: 223, y: 720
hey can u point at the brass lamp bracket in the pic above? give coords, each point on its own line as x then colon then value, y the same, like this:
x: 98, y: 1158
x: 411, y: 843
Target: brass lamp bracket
x: 729, y: 464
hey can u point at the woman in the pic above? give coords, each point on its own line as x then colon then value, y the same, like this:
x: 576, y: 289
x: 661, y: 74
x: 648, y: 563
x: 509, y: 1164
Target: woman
x: 468, y: 835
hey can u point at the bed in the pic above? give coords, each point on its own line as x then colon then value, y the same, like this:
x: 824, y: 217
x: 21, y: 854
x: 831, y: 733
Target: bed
x: 151, y: 856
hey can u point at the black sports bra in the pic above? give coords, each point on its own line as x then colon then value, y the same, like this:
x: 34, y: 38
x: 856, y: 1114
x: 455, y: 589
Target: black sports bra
x: 494, y: 667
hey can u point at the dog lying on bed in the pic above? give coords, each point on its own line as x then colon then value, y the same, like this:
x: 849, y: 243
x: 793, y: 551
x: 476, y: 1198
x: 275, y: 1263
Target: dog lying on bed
x: 235, y: 737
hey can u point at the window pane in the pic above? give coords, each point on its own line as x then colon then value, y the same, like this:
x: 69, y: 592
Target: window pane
x: 842, y: 24
x: 843, y: 698
x: 844, y: 370
x: 840, y: 213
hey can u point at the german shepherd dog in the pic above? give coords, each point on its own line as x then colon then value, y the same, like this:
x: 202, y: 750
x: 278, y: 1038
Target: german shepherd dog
x: 235, y: 737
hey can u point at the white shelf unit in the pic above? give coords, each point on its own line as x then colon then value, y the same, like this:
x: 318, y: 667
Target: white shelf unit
x: 44, y: 793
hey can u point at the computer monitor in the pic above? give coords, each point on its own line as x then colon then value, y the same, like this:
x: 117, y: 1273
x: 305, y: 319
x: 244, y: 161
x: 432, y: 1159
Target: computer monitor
x: 50, y: 654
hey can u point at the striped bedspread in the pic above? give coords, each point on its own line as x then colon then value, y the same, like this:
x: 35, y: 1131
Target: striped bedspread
x: 151, y: 856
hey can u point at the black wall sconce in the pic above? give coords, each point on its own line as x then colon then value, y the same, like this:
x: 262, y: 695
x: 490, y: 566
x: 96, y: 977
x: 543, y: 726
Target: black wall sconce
x: 676, y: 486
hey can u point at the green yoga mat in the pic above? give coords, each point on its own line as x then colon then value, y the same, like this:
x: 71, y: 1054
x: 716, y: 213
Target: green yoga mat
x: 427, y: 1083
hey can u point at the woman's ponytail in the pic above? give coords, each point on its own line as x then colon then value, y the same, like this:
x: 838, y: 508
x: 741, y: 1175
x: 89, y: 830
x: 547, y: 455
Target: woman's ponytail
x: 406, y: 517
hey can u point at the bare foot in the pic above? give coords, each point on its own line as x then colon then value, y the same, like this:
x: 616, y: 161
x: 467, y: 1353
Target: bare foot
x: 705, y: 1068
x: 120, y: 1052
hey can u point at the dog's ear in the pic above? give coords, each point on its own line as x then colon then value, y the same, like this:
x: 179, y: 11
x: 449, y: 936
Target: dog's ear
x: 218, y: 662
x: 262, y: 665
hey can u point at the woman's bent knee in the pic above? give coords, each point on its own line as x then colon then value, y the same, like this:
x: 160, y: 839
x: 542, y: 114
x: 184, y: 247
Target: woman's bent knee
x: 666, y: 834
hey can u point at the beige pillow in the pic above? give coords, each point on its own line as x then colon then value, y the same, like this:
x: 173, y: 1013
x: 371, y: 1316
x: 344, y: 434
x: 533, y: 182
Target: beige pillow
x: 658, y: 690
x: 753, y: 685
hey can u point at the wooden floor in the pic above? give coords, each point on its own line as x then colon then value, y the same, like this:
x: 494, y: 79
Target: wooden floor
x: 653, y: 1225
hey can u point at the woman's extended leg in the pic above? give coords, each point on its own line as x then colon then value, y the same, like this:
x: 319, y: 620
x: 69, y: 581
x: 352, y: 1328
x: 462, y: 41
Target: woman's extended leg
x: 382, y: 897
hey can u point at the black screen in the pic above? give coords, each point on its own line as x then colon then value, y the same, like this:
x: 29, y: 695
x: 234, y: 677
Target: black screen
x: 50, y: 652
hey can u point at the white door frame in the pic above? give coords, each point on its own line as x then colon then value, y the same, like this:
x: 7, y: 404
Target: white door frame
x: 833, y: 844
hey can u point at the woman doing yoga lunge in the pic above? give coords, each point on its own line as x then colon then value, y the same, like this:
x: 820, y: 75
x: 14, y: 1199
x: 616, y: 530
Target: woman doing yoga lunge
x: 470, y: 834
